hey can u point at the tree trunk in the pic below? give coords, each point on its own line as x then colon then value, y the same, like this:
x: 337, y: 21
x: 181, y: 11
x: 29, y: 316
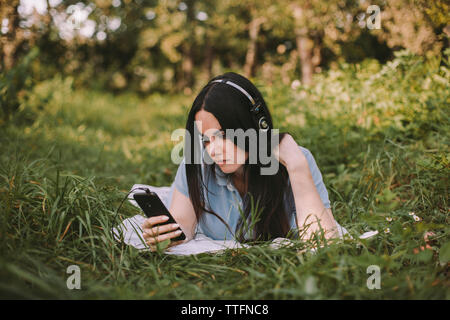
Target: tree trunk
x: 316, y: 55
x: 250, y: 58
x: 209, y: 56
x: 305, y: 47
x: 13, y: 38
x: 187, y: 64
x: 16, y: 40
x: 305, y: 43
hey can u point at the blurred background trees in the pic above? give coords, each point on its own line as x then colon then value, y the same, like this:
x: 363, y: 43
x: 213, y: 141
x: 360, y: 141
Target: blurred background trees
x: 172, y: 45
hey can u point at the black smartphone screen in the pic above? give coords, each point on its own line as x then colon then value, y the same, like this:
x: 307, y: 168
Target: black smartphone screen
x: 152, y: 206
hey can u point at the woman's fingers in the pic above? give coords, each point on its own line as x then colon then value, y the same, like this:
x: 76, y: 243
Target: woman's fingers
x: 150, y: 222
x: 158, y: 230
x: 160, y: 238
x: 154, y: 233
x: 154, y: 247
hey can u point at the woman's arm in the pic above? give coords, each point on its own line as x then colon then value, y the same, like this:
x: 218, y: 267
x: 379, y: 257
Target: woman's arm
x: 309, y: 206
x: 183, y: 212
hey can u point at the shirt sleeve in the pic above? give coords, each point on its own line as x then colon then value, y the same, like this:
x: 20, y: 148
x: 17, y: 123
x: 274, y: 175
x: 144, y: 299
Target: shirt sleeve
x: 181, y: 180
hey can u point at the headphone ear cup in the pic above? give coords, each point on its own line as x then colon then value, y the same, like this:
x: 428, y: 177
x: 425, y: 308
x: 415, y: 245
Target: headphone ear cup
x: 263, y: 124
x: 256, y: 110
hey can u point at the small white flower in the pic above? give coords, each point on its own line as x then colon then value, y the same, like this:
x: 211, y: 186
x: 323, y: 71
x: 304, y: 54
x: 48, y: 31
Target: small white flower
x: 387, y: 230
x: 416, y: 218
x: 388, y: 219
x: 412, y: 213
x: 295, y: 84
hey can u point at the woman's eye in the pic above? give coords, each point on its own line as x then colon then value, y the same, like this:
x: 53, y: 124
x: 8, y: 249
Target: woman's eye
x: 205, y: 141
x: 218, y: 135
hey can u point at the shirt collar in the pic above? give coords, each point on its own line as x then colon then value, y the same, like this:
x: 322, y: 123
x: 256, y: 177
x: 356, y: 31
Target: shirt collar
x: 222, y: 178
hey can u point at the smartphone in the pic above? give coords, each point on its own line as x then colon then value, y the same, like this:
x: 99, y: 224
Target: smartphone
x: 152, y: 206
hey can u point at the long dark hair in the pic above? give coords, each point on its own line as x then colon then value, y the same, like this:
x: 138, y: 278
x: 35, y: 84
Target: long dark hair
x: 232, y: 110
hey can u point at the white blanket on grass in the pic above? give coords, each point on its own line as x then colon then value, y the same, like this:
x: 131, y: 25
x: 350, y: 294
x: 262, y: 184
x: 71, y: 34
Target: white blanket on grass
x: 132, y: 232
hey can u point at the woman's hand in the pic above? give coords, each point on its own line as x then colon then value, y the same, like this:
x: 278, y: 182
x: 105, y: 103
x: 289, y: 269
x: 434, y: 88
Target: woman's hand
x: 289, y: 154
x: 154, y: 233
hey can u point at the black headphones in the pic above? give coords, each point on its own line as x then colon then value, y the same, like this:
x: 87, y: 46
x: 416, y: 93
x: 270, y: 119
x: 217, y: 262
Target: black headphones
x: 256, y: 109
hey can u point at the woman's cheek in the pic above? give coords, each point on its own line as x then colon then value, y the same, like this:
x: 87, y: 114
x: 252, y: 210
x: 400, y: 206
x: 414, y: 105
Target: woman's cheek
x: 230, y: 151
x: 240, y: 155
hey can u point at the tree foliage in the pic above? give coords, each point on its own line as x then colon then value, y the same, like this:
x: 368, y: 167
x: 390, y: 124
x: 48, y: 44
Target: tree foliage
x: 172, y: 45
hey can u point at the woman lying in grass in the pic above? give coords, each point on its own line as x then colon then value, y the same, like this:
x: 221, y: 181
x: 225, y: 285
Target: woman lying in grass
x: 227, y: 188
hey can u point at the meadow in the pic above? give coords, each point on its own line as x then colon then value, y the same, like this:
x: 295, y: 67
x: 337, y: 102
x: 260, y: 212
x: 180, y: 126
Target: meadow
x: 379, y: 134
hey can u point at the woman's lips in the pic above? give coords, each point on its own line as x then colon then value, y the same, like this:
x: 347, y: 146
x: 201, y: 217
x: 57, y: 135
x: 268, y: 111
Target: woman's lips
x: 223, y: 162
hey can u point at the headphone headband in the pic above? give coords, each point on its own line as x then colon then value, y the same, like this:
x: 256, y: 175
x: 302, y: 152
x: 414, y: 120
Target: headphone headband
x: 256, y: 107
x: 237, y: 87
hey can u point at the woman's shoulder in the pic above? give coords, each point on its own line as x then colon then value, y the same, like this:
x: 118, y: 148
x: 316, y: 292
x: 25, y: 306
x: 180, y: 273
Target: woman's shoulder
x: 305, y: 150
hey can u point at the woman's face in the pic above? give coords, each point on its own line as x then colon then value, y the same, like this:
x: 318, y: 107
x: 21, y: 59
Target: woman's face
x: 222, y: 151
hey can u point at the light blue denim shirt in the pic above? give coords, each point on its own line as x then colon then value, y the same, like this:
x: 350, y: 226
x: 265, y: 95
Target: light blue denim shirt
x: 224, y: 199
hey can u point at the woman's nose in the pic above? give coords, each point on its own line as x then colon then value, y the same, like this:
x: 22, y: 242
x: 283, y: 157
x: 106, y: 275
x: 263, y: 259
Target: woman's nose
x: 211, y: 150
x: 215, y: 148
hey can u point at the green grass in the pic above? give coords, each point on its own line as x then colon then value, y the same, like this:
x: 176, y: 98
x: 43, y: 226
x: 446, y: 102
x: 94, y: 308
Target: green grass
x: 380, y: 135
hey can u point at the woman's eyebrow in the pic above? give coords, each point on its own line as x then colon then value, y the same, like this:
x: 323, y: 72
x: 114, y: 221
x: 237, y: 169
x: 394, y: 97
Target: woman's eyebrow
x: 215, y: 132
